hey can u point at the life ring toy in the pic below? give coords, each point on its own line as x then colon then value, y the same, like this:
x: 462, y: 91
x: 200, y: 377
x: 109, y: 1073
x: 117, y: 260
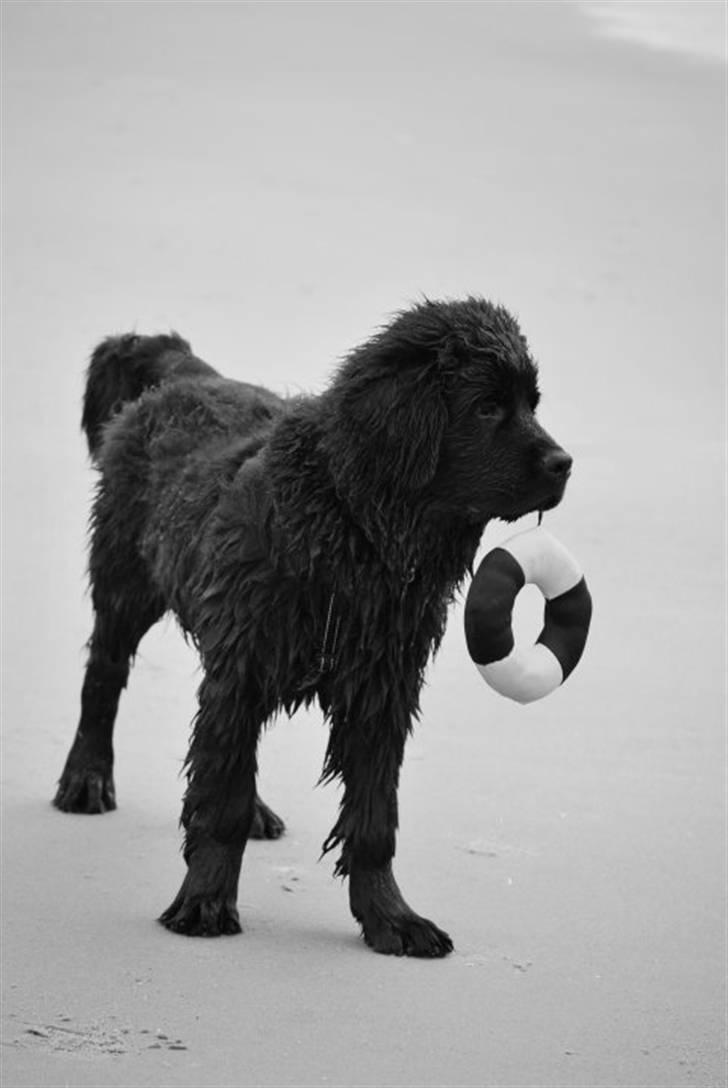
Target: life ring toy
x: 527, y: 673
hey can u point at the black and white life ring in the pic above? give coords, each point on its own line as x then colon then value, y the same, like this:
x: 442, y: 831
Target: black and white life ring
x: 527, y: 673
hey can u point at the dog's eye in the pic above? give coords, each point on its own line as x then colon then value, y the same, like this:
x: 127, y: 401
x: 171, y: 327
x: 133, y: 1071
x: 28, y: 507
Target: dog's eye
x: 489, y: 409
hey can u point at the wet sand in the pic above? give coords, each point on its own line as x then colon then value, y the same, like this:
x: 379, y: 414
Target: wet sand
x: 273, y: 181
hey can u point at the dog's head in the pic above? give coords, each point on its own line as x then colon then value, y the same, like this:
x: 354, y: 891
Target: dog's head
x: 440, y: 406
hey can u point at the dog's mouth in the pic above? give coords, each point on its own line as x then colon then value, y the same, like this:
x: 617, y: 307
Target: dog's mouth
x: 552, y: 501
x: 518, y: 507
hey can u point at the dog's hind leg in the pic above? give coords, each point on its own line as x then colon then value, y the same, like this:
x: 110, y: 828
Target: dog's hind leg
x: 220, y: 802
x: 87, y: 782
x: 266, y: 823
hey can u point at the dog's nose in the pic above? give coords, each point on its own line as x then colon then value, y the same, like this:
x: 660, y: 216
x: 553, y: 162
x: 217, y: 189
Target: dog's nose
x: 557, y: 463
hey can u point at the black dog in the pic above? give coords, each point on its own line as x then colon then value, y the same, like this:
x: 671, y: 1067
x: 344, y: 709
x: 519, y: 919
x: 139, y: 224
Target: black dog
x: 310, y: 548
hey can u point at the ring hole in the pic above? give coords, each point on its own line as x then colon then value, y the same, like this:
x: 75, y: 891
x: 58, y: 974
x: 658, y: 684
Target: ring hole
x: 527, y: 619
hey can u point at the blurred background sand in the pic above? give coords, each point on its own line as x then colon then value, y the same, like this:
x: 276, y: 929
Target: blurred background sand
x: 274, y: 180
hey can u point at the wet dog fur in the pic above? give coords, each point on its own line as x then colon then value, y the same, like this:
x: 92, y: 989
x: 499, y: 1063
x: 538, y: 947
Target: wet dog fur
x: 310, y: 548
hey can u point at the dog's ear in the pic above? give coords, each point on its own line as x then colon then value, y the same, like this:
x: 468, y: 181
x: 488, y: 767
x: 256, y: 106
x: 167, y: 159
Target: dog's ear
x: 386, y: 434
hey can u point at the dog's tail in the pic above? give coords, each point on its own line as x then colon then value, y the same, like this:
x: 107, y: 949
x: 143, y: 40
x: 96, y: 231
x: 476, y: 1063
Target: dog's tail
x: 122, y: 367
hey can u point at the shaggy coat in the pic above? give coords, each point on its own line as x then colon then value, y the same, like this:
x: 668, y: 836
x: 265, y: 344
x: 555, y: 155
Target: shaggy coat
x: 310, y: 548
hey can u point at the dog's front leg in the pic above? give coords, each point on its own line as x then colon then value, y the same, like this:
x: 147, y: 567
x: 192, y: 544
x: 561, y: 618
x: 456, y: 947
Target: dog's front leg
x: 388, y: 923
x: 218, y: 810
x: 368, y: 757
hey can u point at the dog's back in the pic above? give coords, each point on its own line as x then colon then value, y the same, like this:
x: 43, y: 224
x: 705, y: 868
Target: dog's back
x: 168, y: 434
x: 152, y: 410
x: 123, y: 367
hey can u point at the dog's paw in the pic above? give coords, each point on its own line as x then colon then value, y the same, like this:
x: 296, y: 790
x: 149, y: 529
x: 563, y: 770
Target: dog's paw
x: 266, y: 825
x: 201, y: 917
x: 88, y: 791
x: 408, y: 935
x: 389, y: 925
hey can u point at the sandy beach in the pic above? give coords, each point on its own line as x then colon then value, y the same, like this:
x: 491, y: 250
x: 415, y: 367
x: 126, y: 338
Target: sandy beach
x: 273, y: 181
